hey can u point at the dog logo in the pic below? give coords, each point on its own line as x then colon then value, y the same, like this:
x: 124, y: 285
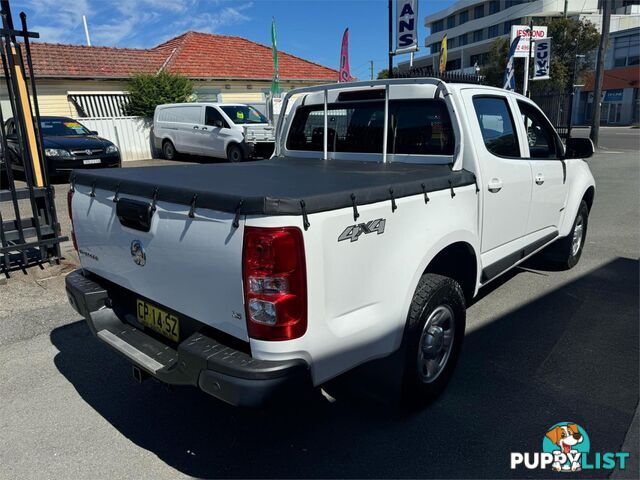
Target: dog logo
x: 137, y: 253
x: 568, y: 442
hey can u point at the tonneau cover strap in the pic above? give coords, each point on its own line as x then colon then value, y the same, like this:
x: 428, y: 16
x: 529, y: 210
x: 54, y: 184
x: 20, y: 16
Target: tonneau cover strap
x: 192, y: 208
x: 393, y: 201
x: 305, y: 219
x: 355, y: 207
x: 424, y: 190
x: 236, y: 218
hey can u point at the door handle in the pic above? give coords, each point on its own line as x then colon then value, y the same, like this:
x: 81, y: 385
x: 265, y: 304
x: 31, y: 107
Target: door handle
x: 539, y: 179
x: 495, y: 185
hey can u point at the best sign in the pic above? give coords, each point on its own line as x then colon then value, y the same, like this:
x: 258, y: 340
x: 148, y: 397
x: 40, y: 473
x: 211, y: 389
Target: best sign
x: 522, y: 31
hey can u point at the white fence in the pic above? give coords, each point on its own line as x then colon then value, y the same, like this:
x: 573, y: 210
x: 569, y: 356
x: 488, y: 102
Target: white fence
x: 130, y: 134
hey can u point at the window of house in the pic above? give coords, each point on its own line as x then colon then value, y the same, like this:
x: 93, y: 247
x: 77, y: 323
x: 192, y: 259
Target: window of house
x: 540, y: 135
x: 434, y: 48
x: 451, y: 21
x: 493, y: 31
x: 464, y: 17
x: 513, y: 3
x: 477, y: 36
x: 478, y: 12
x: 494, y: 7
x: 463, y: 39
x: 480, y: 59
x: 496, y: 125
x: 451, y: 42
x: 626, y: 51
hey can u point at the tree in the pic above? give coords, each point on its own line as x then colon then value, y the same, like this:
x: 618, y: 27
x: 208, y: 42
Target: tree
x: 569, y: 37
x: 148, y: 91
x: 384, y: 73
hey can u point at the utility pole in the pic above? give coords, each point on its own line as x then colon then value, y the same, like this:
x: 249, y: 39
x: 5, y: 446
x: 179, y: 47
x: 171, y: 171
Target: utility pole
x: 525, y: 86
x: 371, y: 68
x: 390, y: 38
x: 597, y: 88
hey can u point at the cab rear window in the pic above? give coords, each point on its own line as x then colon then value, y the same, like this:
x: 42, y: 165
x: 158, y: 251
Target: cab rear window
x: 421, y: 127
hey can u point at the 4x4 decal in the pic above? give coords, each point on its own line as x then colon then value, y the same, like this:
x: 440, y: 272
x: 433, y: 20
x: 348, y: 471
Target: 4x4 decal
x: 354, y: 231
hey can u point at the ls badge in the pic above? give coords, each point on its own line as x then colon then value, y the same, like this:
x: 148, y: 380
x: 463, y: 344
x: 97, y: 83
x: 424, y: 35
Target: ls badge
x: 354, y: 231
x: 137, y: 253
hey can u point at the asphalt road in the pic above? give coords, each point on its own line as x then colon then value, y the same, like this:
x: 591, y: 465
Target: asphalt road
x: 541, y: 347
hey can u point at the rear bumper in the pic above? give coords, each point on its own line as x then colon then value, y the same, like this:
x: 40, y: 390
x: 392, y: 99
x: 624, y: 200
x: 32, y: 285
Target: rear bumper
x: 219, y: 370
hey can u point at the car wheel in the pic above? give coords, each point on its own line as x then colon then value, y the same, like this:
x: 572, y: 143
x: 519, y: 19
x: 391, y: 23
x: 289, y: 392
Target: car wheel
x: 433, y: 338
x: 168, y: 150
x: 235, y: 154
x: 566, y: 252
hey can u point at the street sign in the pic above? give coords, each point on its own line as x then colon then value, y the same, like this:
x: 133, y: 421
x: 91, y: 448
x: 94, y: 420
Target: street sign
x: 522, y: 31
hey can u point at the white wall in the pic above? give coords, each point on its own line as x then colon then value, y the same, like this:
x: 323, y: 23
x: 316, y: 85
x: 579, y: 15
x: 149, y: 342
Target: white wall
x: 130, y: 134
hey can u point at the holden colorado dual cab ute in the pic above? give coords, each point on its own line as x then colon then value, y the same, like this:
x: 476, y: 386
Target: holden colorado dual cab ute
x: 386, y: 206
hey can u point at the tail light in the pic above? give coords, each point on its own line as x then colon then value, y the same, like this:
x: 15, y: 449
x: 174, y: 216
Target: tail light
x: 73, y: 233
x: 275, y: 283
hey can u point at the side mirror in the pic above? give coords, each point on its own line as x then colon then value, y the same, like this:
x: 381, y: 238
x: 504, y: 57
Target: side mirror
x: 579, y: 148
x: 218, y: 123
x: 93, y: 132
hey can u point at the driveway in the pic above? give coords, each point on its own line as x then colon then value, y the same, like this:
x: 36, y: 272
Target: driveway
x: 541, y: 347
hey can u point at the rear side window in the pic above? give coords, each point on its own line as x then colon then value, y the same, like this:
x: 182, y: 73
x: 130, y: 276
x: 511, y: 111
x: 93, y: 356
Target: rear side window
x: 415, y: 128
x: 496, y: 125
x: 186, y: 114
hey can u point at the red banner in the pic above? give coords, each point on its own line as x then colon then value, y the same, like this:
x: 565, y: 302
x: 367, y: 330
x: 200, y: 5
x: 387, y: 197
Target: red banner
x: 345, y: 74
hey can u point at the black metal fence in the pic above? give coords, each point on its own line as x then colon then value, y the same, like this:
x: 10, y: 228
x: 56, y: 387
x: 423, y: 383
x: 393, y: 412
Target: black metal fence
x: 452, y: 77
x: 556, y: 107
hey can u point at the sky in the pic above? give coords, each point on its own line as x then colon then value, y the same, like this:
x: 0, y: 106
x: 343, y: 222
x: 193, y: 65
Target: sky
x: 311, y: 29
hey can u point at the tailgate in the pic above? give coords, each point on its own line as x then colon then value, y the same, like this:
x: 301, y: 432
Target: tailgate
x: 259, y: 133
x: 191, y: 265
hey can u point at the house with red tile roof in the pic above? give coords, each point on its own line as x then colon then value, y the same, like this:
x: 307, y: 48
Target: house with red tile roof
x: 85, y: 81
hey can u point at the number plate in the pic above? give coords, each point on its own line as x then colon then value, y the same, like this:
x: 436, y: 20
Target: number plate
x: 157, y: 319
x: 91, y: 161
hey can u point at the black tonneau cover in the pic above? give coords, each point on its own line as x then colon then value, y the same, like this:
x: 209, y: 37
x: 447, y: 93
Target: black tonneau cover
x: 279, y: 186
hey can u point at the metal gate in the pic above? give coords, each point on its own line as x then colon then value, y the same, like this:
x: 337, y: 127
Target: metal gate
x: 29, y: 229
x: 556, y: 107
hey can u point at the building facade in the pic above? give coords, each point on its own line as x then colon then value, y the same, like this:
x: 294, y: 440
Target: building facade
x: 472, y: 26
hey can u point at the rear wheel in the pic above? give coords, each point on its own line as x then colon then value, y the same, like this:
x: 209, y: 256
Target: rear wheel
x: 168, y: 150
x: 433, y: 338
x: 235, y: 154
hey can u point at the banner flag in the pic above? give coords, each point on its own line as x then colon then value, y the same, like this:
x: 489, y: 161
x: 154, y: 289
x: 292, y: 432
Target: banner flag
x: 275, y: 83
x: 542, y: 65
x: 509, y: 77
x: 406, y: 26
x: 443, y: 55
x: 345, y: 73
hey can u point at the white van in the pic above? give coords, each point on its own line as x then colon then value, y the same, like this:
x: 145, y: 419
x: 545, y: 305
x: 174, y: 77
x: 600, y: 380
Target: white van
x: 222, y: 130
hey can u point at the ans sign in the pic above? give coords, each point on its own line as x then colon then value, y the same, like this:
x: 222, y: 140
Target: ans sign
x: 406, y: 26
x: 522, y: 31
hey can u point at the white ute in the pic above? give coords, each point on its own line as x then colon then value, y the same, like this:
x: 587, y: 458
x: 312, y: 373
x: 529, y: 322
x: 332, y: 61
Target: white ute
x: 222, y: 130
x: 386, y: 207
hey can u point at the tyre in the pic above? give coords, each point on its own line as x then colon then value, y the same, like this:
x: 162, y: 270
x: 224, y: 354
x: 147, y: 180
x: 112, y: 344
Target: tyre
x: 432, y: 339
x: 168, y: 150
x: 566, y: 252
x: 235, y: 153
